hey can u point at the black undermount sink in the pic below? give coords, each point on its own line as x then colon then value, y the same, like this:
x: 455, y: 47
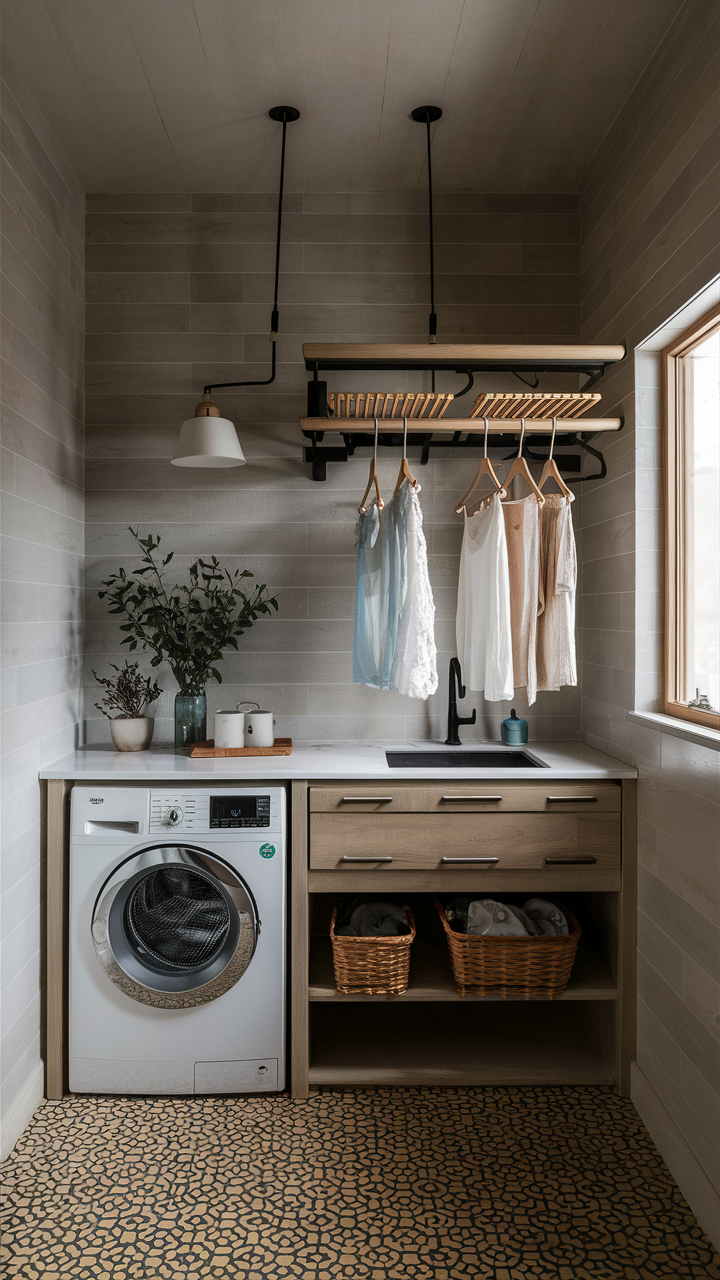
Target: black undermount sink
x: 460, y: 760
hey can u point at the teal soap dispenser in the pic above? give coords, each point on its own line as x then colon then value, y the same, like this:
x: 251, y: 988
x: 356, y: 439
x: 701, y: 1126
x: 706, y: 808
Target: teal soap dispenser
x: 514, y: 730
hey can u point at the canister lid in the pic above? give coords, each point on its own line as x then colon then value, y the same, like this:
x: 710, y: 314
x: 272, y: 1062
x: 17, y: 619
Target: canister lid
x: 514, y: 720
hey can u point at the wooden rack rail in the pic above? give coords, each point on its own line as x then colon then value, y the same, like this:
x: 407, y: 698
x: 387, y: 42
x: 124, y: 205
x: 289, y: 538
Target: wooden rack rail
x: 471, y: 426
x: 460, y: 357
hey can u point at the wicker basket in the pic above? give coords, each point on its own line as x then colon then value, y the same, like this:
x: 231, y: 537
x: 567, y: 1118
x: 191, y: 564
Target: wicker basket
x: 519, y: 968
x: 372, y: 966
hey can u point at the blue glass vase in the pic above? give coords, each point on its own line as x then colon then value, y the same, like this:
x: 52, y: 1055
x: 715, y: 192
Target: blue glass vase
x: 190, y: 719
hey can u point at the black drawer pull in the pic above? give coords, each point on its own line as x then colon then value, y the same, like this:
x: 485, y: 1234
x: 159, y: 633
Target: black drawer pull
x: 469, y: 859
x: 569, y: 862
x: 448, y: 798
x: 347, y: 858
x: 571, y: 799
x: 367, y: 799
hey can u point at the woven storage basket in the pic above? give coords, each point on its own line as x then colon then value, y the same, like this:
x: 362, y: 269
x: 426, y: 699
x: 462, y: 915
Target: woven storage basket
x: 523, y: 968
x: 372, y: 966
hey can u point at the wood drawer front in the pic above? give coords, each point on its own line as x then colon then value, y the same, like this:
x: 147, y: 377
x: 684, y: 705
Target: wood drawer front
x: 469, y: 797
x: 413, y: 842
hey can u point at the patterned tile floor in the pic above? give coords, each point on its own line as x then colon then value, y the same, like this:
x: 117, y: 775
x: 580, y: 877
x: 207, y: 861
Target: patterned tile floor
x: 422, y: 1184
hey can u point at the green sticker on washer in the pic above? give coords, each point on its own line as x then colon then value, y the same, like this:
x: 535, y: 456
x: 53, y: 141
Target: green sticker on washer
x: 267, y: 850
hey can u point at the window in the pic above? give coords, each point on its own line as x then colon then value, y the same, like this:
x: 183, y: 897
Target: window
x: 692, y: 524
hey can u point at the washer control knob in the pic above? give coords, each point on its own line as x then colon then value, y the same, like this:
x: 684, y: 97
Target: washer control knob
x: 173, y: 817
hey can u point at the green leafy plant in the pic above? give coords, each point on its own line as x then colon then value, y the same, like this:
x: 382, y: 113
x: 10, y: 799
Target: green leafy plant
x: 128, y: 692
x: 187, y: 626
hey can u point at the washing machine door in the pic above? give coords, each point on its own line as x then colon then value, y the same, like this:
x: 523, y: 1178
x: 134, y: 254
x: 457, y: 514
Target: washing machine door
x: 174, y: 927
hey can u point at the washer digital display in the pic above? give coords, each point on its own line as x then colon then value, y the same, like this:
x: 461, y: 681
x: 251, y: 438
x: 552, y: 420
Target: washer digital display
x: 239, y: 811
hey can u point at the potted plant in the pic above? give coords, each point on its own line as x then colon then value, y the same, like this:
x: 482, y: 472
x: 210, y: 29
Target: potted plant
x: 128, y: 693
x: 187, y: 626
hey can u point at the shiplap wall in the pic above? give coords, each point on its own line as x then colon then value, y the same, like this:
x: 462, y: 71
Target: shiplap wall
x: 179, y: 294
x: 651, y: 241
x: 42, y: 546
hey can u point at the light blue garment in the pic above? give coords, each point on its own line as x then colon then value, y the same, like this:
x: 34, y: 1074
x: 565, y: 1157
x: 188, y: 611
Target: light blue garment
x: 381, y: 589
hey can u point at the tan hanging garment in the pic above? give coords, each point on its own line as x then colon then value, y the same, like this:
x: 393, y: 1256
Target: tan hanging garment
x: 522, y: 531
x: 556, y: 661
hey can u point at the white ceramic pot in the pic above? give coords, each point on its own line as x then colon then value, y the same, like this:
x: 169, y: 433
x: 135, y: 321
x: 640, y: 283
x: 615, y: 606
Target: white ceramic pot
x: 259, y: 729
x: 229, y: 729
x: 132, y: 735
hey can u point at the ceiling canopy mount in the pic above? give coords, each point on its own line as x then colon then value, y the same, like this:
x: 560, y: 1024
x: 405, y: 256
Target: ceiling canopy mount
x: 284, y: 114
x: 426, y: 115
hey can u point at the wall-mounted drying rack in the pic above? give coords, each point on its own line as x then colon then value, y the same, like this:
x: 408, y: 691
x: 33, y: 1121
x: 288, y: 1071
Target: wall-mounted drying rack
x: 454, y: 432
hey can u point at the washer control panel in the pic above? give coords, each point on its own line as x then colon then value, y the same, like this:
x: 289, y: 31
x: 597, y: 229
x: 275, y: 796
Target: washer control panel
x: 197, y: 812
x: 239, y: 811
x: 173, y: 811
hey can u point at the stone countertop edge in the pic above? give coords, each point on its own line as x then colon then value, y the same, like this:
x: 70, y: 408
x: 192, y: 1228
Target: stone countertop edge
x: 328, y: 761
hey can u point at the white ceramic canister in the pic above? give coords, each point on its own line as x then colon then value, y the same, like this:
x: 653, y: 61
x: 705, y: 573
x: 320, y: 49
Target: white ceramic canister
x: 259, y: 729
x: 230, y: 728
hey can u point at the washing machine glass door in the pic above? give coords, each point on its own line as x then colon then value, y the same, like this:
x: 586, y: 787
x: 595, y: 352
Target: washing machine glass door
x: 174, y: 927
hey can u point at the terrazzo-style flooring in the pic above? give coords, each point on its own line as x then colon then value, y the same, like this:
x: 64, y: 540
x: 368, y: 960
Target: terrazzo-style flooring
x: 421, y: 1184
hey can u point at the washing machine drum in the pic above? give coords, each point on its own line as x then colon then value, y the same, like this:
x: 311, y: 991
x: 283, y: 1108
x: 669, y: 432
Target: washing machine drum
x: 174, y: 927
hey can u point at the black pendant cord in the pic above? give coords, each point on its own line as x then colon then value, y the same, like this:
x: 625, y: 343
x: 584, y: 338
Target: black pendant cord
x: 285, y: 114
x: 432, y: 320
x: 427, y: 116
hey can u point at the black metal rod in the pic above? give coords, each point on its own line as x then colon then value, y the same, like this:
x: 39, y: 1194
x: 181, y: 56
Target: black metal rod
x: 432, y: 320
x: 432, y: 326
x: 275, y: 317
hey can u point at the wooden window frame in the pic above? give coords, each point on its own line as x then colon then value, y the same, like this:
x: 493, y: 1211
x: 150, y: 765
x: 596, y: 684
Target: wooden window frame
x: 677, y: 555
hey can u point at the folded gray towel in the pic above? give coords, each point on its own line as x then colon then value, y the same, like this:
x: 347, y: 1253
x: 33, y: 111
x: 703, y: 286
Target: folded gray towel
x: 530, y: 925
x: 548, y: 918
x: 494, y: 919
x: 375, y: 920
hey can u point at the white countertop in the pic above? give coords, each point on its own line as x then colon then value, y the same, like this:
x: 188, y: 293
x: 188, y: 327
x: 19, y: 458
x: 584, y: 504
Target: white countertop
x: 329, y: 760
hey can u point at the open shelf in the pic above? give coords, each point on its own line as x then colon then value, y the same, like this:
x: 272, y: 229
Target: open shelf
x: 431, y: 978
x: 452, y: 1044
x: 548, y: 357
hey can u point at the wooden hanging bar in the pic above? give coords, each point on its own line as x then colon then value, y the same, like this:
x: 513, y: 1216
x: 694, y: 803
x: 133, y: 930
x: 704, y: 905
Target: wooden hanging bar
x: 449, y: 426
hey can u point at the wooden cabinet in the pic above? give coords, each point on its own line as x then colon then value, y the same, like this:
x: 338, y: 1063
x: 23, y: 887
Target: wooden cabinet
x: 473, y: 797
x: 424, y: 841
x: 572, y: 839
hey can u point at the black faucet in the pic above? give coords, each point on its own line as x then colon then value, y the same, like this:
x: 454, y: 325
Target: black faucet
x: 456, y: 689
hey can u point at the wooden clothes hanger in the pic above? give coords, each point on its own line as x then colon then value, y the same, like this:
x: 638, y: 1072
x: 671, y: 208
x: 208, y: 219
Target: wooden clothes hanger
x: 373, y: 480
x: 550, y: 471
x: 485, y: 468
x: 404, y: 473
x: 521, y: 468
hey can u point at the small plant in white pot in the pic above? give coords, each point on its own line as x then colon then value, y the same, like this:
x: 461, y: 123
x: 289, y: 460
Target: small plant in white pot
x: 129, y: 694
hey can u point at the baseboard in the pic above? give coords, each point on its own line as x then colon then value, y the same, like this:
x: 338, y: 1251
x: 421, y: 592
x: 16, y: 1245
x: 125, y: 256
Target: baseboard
x: 22, y: 1110
x: 691, y: 1178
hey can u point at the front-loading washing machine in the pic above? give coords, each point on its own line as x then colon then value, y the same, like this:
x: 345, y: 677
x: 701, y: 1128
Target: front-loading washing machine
x: 177, y: 940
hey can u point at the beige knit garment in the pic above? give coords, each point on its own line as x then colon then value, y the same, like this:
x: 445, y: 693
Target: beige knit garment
x: 556, y: 665
x: 522, y: 530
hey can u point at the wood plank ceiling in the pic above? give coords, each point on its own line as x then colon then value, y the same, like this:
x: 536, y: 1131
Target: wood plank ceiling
x: 172, y: 95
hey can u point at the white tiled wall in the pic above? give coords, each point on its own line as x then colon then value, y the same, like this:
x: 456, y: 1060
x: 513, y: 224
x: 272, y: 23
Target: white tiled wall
x: 651, y: 242
x: 42, y: 543
x: 179, y: 293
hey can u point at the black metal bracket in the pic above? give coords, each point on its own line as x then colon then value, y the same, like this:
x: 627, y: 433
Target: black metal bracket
x: 319, y: 455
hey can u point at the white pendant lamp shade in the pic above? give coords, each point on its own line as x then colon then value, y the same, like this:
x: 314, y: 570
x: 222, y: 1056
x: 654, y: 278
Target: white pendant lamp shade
x: 207, y: 440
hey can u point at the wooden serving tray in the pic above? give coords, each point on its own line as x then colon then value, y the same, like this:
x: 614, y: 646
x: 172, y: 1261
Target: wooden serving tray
x: 204, y: 750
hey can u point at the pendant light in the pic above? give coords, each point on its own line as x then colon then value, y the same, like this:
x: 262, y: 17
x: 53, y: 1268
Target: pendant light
x: 427, y: 116
x: 207, y: 440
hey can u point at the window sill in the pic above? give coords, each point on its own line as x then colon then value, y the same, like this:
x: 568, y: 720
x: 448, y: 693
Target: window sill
x: 679, y: 728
